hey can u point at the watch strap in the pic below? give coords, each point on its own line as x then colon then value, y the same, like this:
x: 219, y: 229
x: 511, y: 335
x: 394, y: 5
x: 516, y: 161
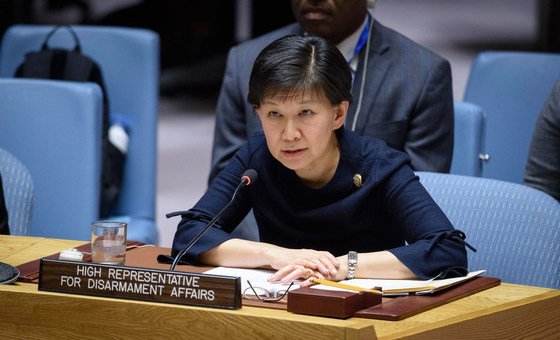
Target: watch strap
x: 352, y: 263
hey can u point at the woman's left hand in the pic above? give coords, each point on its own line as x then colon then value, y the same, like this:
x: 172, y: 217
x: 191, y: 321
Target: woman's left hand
x: 294, y: 272
x: 340, y: 274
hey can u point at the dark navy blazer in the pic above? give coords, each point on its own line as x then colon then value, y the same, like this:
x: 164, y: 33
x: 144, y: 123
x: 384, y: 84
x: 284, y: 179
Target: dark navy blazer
x: 389, y: 208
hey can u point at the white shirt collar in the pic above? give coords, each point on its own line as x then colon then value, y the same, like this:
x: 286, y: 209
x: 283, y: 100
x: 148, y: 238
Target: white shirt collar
x: 348, y: 45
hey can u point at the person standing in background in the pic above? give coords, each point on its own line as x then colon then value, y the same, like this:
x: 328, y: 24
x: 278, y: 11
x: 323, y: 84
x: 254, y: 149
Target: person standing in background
x: 542, y: 171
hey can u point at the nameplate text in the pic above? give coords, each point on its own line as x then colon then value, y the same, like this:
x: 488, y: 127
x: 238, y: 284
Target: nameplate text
x: 135, y: 283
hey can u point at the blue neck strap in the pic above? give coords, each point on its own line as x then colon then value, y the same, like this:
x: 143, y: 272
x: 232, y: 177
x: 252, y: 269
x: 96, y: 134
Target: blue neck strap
x: 363, y: 39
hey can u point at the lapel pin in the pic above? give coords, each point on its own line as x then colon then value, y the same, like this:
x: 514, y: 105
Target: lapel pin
x: 357, y: 180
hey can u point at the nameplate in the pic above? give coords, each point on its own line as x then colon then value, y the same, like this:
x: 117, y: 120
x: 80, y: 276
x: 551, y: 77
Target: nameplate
x: 135, y: 283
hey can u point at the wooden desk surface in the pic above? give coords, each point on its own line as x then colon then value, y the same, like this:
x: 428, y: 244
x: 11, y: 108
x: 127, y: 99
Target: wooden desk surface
x: 504, y: 311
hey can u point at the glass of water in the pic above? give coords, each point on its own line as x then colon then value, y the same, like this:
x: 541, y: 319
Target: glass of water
x: 108, y: 242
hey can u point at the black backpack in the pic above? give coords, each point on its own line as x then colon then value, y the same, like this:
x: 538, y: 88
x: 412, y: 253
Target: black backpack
x: 63, y: 64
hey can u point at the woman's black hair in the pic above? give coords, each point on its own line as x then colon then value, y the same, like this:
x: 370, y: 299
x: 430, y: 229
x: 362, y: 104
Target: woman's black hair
x: 295, y: 64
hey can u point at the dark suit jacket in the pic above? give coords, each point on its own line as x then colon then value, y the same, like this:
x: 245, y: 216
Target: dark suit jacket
x: 407, y: 99
x: 4, y: 229
x: 542, y: 171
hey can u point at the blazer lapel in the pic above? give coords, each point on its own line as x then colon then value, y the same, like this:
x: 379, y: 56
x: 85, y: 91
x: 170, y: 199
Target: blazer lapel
x: 377, y: 70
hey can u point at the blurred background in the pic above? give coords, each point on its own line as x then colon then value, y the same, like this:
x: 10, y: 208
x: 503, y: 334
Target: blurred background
x: 196, y: 35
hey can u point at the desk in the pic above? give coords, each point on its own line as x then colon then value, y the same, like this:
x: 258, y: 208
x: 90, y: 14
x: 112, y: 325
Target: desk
x: 504, y: 311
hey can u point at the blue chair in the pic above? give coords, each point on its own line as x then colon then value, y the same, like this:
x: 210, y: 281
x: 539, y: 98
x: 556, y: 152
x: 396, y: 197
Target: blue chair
x: 19, y: 193
x: 54, y: 128
x: 129, y: 59
x: 514, y: 227
x: 468, y: 137
x: 511, y: 88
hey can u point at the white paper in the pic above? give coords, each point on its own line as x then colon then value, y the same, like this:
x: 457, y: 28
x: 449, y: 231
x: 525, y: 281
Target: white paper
x: 258, y: 278
x: 412, y: 285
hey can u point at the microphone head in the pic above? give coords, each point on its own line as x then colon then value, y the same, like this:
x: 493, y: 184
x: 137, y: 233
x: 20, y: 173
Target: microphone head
x: 249, y: 176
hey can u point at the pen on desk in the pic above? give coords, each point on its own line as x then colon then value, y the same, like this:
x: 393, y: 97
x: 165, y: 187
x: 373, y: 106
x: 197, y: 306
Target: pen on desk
x: 345, y: 286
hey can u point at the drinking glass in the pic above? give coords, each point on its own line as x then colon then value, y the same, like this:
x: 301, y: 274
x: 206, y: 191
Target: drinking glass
x: 108, y: 242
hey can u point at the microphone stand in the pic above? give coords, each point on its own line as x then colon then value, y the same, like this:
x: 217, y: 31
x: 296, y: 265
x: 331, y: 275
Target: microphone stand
x: 244, y: 181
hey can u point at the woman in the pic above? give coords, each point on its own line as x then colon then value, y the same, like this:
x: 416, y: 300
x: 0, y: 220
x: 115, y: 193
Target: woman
x: 323, y: 192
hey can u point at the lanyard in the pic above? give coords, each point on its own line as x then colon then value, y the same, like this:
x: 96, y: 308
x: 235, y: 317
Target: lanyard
x: 362, y: 41
x: 365, y: 38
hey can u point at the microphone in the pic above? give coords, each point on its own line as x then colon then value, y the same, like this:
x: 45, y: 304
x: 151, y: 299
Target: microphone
x: 249, y: 177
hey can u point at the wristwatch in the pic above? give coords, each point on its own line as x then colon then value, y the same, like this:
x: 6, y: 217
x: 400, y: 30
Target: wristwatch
x: 352, y: 262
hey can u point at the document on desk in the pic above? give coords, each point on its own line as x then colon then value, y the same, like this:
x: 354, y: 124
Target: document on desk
x: 405, y: 287
x: 257, y: 277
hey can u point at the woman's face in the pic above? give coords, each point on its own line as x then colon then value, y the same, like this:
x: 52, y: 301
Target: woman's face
x: 299, y: 132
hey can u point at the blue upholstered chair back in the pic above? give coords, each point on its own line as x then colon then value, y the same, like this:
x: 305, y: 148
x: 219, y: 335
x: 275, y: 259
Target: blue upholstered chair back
x: 18, y: 193
x: 468, y: 137
x: 54, y: 128
x: 511, y: 88
x: 516, y: 229
x: 129, y: 59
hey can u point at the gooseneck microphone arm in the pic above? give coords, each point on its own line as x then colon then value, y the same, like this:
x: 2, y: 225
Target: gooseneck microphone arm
x: 249, y: 176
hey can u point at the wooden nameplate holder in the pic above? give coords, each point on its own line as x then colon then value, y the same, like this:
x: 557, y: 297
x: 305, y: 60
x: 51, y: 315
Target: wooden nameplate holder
x: 137, y: 283
x: 335, y: 304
